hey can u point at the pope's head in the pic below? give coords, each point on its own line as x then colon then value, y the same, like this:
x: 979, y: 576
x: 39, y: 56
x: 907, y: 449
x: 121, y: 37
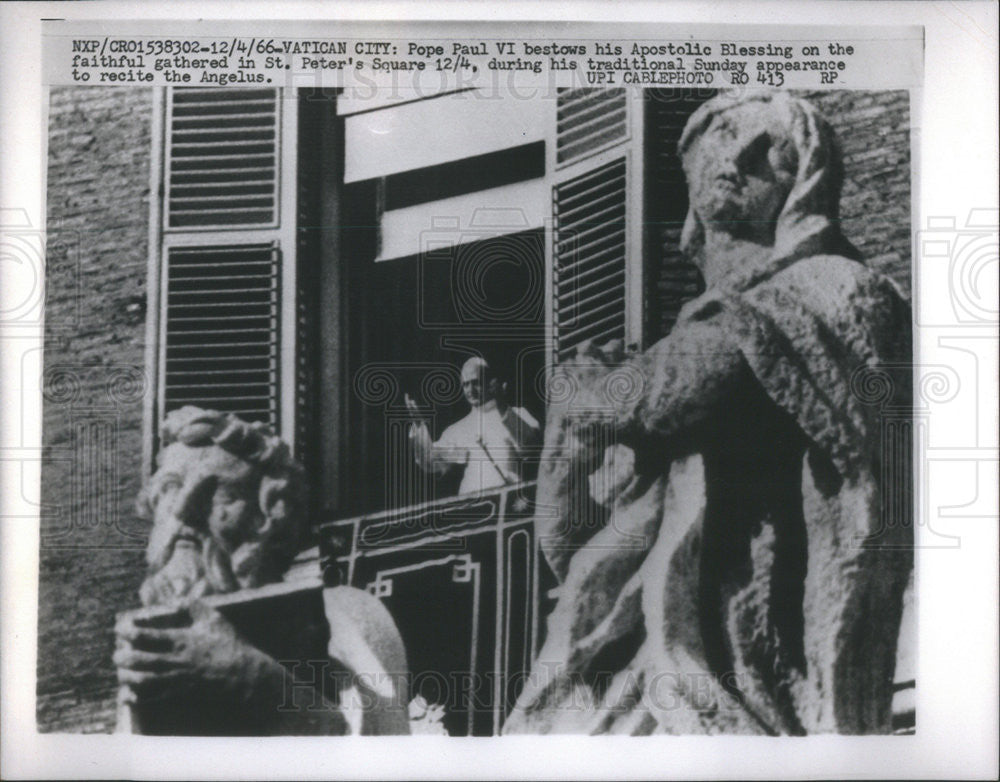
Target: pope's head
x: 477, y: 385
x: 226, y: 504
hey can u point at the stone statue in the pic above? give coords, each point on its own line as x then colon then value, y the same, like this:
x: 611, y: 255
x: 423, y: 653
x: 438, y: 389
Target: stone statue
x: 714, y: 508
x: 226, y: 508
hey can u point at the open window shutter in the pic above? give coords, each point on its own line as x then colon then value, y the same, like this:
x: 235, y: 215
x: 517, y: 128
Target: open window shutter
x: 225, y: 236
x: 223, y: 158
x: 597, y: 222
x: 589, y: 273
x: 673, y: 279
x: 588, y: 121
x: 222, y: 329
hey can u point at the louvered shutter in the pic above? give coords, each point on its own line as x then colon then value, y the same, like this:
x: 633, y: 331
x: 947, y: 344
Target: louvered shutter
x: 673, y: 279
x: 221, y: 330
x: 589, y: 273
x: 222, y: 158
x: 596, y: 249
x: 226, y: 252
x: 589, y: 120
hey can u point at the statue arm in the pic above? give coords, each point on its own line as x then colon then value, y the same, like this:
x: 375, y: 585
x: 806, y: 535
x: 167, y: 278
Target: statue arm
x: 690, y: 379
x: 208, y: 661
x: 365, y: 641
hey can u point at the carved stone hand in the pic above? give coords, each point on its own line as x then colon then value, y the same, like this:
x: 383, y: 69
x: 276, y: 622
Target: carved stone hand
x: 206, y: 659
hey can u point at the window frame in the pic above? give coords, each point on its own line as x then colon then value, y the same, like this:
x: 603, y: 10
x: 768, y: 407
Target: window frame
x: 162, y: 238
x: 630, y: 148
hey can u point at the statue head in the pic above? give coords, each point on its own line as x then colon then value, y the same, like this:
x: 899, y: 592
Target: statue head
x: 226, y: 503
x: 763, y: 167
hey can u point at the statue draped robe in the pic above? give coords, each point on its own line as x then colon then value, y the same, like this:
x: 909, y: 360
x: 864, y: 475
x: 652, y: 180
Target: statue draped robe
x: 731, y: 565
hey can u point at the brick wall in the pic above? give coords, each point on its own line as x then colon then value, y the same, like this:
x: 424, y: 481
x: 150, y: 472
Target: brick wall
x: 93, y: 384
x: 874, y: 133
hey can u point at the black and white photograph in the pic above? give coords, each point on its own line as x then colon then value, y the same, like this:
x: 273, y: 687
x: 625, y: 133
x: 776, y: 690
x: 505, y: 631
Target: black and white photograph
x: 483, y: 382
x: 589, y: 407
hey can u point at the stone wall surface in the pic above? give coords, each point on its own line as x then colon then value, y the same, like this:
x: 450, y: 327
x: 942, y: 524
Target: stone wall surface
x: 873, y: 129
x: 91, y: 544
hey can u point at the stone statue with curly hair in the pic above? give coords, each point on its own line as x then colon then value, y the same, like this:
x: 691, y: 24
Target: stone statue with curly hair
x: 227, y: 505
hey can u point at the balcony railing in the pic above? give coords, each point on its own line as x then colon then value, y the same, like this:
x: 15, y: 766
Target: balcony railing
x: 461, y: 578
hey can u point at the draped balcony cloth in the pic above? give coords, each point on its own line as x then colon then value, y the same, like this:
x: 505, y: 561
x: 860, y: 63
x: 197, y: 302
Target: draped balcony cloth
x: 730, y: 567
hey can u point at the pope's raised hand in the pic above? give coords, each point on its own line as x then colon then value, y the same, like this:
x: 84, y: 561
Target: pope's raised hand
x: 414, y: 411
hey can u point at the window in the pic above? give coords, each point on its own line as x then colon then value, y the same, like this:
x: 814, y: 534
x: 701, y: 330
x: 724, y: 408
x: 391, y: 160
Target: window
x: 301, y: 241
x: 445, y: 202
x: 222, y: 255
x: 597, y: 247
